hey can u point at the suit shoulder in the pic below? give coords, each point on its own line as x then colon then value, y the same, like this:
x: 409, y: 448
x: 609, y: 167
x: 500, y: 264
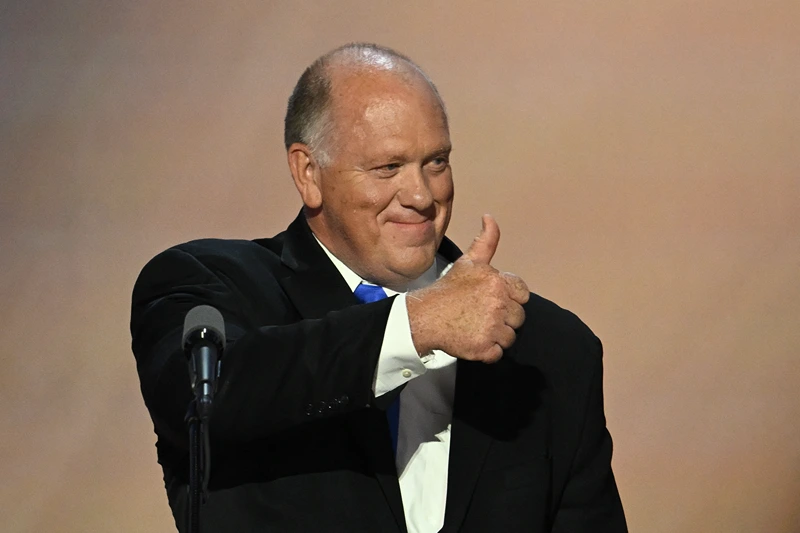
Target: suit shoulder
x: 195, y: 260
x: 556, y: 338
x: 232, y: 248
x: 216, y: 251
x: 550, y: 317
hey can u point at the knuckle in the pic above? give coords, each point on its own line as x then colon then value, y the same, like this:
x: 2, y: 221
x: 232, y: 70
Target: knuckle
x: 497, y: 285
x: 497, y: 305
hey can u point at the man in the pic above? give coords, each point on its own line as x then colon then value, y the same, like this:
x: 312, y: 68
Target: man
x: 375, y: 379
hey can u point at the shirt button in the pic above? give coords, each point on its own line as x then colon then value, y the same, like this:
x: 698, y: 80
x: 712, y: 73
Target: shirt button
x: 406, y: 373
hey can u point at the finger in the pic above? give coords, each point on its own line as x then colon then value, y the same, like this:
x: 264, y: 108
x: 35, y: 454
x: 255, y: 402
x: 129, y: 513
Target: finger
x: 494, y: 354
x: 517, y: 288
x: 515, y: 315
x: 484, y: 246
x: 506, y: 337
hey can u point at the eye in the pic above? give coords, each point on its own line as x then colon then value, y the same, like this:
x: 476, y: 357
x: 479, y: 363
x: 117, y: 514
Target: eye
x: 387, y: 170
x: 439, y: 163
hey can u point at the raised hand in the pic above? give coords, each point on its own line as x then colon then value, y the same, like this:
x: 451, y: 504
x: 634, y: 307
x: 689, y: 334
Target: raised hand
x: 472, y: 312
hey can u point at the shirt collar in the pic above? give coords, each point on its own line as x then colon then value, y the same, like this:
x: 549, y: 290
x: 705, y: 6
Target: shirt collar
x: 439, y: 267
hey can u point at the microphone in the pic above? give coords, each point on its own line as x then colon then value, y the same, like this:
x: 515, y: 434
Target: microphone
x: 203, y: 344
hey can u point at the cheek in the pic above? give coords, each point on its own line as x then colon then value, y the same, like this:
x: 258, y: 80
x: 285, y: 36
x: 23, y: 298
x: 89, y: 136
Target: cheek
x: 363, y: 209
x: 442, y: 190
x: 372, y: 197
x: 369, y: 193
x: 379, y: 198
x: 356, y: 202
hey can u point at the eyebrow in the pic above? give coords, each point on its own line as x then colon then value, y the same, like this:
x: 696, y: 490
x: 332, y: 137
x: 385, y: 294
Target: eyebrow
x: 397, y: 156
x: 441, y: 151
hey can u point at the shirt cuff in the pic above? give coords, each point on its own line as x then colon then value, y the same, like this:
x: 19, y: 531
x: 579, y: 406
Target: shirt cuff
x: 398, y: 361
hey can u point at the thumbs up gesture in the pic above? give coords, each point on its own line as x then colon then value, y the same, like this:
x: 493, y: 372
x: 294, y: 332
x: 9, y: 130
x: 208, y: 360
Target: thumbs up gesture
x: 471, y: 312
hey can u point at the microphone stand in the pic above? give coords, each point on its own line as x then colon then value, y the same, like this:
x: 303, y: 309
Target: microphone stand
x: 199, y: 464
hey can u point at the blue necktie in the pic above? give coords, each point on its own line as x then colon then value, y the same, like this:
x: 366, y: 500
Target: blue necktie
x: 367, y: 294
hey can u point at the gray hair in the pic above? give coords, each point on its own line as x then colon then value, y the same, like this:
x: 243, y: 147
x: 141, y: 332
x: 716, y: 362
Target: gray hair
x: 307, y: 114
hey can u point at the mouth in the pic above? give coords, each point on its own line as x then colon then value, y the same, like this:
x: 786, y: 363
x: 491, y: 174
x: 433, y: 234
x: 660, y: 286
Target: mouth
x: 412, y: 224
x: 419, y: 228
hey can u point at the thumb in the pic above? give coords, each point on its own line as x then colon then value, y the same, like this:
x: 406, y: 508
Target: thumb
x: 485, y: 244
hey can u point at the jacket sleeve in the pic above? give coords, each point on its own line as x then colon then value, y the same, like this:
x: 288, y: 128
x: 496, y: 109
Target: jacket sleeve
x: 274, y: 376
x: 590, y: 501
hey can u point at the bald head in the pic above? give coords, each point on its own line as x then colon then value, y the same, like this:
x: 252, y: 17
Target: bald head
x: 310, y: 117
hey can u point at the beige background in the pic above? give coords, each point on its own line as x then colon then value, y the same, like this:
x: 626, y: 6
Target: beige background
x: 642, y: 159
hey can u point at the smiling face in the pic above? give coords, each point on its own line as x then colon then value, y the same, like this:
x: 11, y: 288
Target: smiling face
x: 382, y: 201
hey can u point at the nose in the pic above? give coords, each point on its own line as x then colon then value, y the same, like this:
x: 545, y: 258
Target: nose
x: 415, y: 192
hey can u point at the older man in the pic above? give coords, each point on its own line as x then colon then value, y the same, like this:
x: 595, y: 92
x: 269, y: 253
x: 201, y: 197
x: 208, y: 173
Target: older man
x: 376, y: 379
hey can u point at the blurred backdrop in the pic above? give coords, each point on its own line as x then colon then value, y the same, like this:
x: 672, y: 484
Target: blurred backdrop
x: 641, y: 158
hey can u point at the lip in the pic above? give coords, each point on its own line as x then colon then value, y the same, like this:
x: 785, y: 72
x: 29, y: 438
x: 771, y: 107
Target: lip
x: 420, y: 224
x: 416, y: 231
x: 416, y: 223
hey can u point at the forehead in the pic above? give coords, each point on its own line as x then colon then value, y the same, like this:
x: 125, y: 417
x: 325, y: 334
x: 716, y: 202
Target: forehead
x: 381, y: 106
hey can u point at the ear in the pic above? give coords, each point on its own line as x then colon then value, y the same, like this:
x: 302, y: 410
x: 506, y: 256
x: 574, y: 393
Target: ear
x: 306, y: 174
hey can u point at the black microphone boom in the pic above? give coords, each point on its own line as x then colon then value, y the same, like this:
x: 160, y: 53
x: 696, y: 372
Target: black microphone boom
x: 203, y: 344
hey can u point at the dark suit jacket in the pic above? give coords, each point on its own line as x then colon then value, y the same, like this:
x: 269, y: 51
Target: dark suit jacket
x: 299, y: 442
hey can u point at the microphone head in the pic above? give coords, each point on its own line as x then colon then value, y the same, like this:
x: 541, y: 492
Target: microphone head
x: 204, y: 323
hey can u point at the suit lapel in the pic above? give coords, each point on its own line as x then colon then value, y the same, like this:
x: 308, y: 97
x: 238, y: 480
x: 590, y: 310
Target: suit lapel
x: 316, y: 287
x: 313, y: 284
x: 468, y: 444
x: 493, y: 403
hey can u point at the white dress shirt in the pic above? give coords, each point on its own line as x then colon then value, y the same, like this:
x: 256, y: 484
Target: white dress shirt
x: 426, y: 406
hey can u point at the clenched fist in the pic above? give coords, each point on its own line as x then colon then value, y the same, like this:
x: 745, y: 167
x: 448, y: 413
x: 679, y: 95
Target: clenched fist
x: 471, y: 312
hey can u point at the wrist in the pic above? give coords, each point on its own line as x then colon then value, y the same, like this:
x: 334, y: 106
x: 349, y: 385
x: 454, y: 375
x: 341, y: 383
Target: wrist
x: 418, y: 323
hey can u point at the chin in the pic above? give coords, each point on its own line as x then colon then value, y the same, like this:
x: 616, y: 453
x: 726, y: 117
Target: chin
x: 413, y: 269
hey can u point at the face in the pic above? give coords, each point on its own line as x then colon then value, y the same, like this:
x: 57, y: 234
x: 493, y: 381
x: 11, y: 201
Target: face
x: 385, y: 196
